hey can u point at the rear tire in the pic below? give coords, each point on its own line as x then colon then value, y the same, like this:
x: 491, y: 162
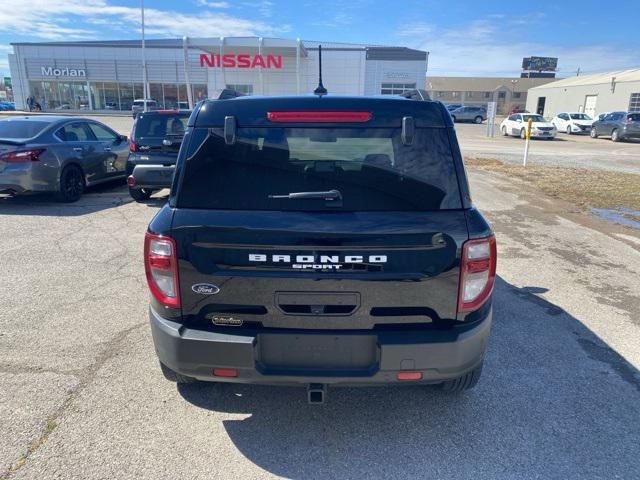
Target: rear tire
x: 593, y: 133
x: 175, y: 376
x: 465, y: 382
x: 140, y: 194
x: 615, y: 136
x: 478, y: 119
x: 71, y: 184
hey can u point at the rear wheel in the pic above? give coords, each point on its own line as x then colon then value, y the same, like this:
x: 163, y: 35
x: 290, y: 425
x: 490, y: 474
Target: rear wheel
x: 465, y: 382
x: 478, y: 119
x: 173, y: 376
x: 71, y: 184
x: 615, y: 136
x: 140, y: 194
x: 593, y: 133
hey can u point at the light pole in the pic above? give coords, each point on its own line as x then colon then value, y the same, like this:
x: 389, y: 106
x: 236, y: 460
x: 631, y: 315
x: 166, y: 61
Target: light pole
x: 145, y: 86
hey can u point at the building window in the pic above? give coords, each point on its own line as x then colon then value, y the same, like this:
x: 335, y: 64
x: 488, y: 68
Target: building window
x: 487, y: 94
x: 455, y: 94
x: 243, y: 89
x: 634, y: 102
x: 396, y: 88
x: 517, y: 94
x: 440, y: 94
x: 502, y: 95
x: 470, y: 94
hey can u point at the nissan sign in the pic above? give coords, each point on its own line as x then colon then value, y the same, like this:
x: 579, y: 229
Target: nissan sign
x: 62, y: 72
x: 241, y: 60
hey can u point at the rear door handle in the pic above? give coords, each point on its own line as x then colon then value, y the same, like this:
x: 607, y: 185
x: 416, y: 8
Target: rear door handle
x: 107, y: 149
x: 78, y: 149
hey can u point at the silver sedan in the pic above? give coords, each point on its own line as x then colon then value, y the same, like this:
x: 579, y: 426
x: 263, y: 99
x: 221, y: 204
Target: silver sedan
x: 58, y: 154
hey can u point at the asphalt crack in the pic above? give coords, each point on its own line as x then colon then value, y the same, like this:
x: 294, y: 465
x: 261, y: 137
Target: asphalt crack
x: 111, y: 348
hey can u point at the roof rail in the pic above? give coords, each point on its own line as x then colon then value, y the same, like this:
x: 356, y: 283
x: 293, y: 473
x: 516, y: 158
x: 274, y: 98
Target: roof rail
x: 416, y: 94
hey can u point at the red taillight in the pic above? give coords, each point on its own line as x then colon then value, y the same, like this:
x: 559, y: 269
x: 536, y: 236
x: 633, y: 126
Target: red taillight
x: 161, y: 267
x: 19, y: 156
x: 318, y: 117
x: 132, y: 146
x: 477, y: 273
x: 131, y: 181
x: 225, y: 372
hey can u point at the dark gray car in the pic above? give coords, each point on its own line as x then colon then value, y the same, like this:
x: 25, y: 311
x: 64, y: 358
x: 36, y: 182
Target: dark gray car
x: 469, y: 114
x: 618, y: 126
x: 58, y: 154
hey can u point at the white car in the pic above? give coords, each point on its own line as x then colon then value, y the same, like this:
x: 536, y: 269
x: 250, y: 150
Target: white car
x: 572, y: 122
x: 516, y: 125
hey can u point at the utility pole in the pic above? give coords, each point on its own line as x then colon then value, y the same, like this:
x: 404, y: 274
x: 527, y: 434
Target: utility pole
x: 145, y: 85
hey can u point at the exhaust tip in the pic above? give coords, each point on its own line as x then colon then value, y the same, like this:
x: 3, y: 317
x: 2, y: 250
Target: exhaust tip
x: 316, y: 393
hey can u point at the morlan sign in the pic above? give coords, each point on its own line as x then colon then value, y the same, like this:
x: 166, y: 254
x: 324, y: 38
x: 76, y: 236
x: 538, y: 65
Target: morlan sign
x: 63, y: 72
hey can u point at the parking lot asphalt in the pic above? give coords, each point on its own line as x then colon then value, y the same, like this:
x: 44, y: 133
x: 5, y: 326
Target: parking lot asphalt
x: 81, y: 394
x: 580, y: 151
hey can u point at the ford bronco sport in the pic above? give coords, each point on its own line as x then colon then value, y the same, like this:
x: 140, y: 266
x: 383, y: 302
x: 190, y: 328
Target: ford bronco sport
x: 320, y: 240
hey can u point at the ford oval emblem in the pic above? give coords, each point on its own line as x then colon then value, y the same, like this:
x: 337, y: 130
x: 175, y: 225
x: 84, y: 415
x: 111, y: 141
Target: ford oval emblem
x: 205, y: 288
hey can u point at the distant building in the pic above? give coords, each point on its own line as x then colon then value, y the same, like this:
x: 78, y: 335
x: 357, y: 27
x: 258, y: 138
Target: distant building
x: 508, y: 92
x: 591, y: 94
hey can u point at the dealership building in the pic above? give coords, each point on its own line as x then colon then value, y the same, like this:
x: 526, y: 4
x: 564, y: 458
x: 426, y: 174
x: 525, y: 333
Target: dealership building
x: 591, y: 94
x: 108, y: 75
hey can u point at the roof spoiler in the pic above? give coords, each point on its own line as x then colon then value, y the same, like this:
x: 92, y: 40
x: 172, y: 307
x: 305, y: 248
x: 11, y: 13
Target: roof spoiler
x: 416, y: 94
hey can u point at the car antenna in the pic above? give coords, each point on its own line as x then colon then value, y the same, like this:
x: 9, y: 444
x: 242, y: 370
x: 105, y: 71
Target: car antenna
x: 320, y: 90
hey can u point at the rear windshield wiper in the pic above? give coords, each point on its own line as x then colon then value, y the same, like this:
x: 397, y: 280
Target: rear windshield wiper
x: 327, y: 195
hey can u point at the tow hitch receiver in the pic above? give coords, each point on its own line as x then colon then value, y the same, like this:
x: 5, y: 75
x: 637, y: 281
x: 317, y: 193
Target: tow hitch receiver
x: 316, y: 393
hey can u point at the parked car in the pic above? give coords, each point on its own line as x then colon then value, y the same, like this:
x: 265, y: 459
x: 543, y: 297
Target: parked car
x: 7, y: 106
x: 56, y: 154
x: 319, y: 240
x: 453, y: 106
x: 469, y: 114
x: 516, y: 125
x: 153, y: 148
x: 572, y: 122
x: 517, y: 110
x: 617, y: 125
x: 138, y: 106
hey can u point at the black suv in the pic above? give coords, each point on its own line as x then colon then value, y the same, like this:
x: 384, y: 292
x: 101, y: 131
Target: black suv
x: 320, y: 241
x: 153, y: 145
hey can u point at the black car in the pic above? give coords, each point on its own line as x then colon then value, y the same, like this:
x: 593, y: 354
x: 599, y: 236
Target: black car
x: 153, y: 146
x: 319, y: 240
x: 618, y: 126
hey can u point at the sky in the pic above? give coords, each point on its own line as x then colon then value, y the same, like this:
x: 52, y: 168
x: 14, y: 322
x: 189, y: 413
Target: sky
x: 464, y: 38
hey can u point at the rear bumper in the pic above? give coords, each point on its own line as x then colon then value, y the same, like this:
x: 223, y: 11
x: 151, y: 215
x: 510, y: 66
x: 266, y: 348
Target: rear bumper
x: 151, y: 176
x: 23, y: 178
x: 438, y: 354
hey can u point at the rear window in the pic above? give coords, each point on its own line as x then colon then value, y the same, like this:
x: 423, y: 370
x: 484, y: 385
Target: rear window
x: 21, y: 128
x: 634, y: 117
x: 370, y: 168
x: 163, y: 125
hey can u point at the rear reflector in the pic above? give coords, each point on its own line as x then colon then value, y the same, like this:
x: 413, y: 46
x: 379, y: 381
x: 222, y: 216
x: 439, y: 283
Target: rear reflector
x: 225, y: 372
x: 20, y: 156
x: 318, y: 117
x: 477, y: 273
x: 409, y: 375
